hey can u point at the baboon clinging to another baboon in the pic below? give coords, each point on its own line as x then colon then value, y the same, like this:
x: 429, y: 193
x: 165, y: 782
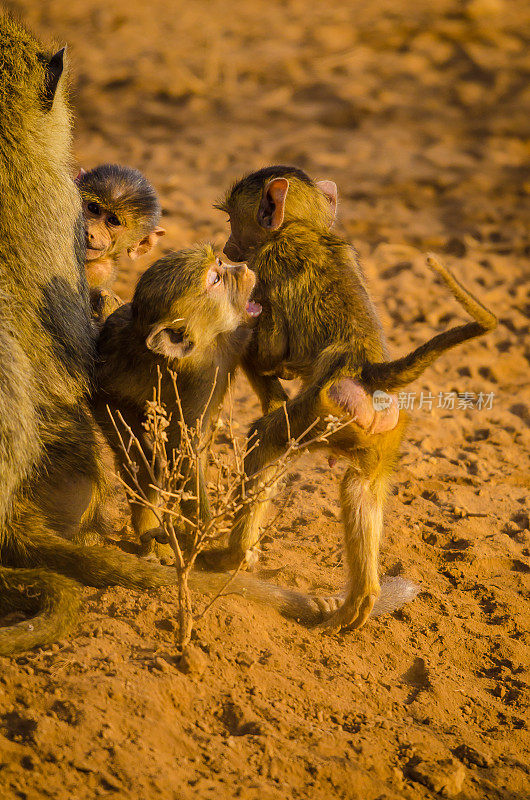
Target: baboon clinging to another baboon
x: 319, y: 324
x: 192, y: 313
x: 121, y: 215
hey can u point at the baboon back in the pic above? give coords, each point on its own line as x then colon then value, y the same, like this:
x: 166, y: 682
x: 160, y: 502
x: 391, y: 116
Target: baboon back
x: 46, y: 337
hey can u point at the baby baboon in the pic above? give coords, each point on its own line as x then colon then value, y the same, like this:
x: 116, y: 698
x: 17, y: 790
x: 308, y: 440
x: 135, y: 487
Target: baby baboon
x: 48, y: 458
x: 121, y: 212
x: 319, y: 324
x: 190, y: 312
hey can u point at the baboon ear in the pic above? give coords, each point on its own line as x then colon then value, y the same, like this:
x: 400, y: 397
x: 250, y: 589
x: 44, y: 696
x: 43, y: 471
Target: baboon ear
x: 171, y: 343
x: 146, y: 244
x: 79, y: 175
x: 272, y: 205
x: 329, y: 189
x: 54, y: 70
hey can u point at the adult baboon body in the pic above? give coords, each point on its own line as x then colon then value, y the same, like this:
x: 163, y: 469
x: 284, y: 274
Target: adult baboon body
x: 47, y: 444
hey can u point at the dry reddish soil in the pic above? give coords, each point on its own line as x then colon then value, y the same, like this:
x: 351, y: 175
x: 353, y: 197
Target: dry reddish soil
x: 420, y: 113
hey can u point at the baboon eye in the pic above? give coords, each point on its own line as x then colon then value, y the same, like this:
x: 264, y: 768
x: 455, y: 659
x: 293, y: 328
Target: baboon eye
x: 218, y: 262
x: 94, y: 208
x: 113, y: 220
x: 176, y: 337
x: 212, y: 278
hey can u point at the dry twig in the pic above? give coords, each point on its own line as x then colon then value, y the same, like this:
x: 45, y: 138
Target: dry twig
x: 175, y: 479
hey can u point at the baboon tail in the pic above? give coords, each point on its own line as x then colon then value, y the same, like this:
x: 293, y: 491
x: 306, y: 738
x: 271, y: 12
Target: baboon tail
x: 52, y: 598
x: 485, y: 318
x: 394, y: 375
x: 92, y: 565
x: 55, y: 598
x: 395, y: 592
x: 107, y: 566
x: 290, y: 603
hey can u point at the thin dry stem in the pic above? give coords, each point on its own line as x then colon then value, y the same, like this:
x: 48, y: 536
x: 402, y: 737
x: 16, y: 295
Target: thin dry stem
x: 178, y: 478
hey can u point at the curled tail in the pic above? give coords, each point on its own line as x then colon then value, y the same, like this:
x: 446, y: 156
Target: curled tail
x: 394, y: 375
x: 54, y: 598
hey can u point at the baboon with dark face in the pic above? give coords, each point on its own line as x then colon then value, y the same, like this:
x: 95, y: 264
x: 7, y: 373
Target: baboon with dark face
x: 121, y: 213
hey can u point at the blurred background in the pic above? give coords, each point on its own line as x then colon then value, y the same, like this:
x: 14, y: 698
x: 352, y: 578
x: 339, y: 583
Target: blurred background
x: 420, y: 113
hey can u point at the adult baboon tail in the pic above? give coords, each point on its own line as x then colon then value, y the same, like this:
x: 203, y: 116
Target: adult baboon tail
x: 52, y: 598
x: 106, y: 566
x: 397, y: 374
x: 91, y: 565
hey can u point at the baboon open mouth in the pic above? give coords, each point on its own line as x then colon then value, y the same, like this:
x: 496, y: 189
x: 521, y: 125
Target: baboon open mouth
x: 253, y: 309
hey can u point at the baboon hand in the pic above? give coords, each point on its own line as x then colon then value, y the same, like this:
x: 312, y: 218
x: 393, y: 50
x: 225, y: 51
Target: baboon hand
x: 375, y: 413
x: 149, y: 539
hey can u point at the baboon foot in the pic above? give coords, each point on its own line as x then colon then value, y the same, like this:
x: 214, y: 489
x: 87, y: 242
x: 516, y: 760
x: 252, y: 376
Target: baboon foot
x: 353, y: 613
x: 324, y: 607
x: 149, y: 539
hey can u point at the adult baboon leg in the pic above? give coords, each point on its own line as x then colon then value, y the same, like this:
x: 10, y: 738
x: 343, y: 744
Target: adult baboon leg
x: 64, y: 497
x: 362, y: 499
x: 71, y: 487
x: 53, y: 599
x: 100, y: 516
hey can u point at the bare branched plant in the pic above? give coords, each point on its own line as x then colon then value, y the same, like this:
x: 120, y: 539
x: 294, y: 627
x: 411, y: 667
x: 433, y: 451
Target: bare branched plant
x: 175, y: 482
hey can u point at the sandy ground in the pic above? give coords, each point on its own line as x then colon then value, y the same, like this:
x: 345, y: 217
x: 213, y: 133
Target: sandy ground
x: 422, y: 118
